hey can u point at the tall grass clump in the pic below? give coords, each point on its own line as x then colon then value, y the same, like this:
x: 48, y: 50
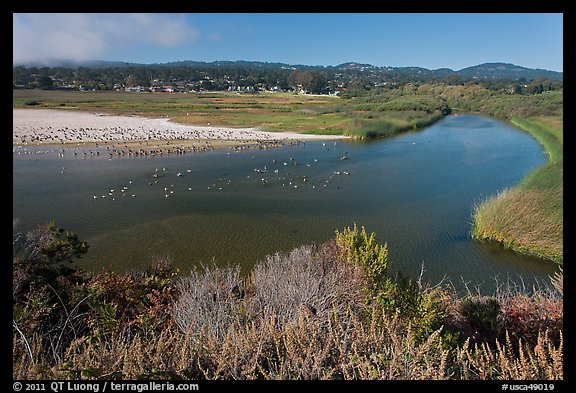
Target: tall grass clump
x: 519, y: 220
x: 529, y: 217
x: 552, y: 138
x: 557, y: 280
x: 382, y: 122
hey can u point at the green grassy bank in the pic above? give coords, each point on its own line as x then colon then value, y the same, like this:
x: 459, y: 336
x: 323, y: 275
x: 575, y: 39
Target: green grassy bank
x: 275, y: 112
x: 528, y: 218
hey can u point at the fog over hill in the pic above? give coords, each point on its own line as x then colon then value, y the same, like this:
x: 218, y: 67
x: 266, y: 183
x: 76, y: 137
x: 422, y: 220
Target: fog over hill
x: 481, y: 71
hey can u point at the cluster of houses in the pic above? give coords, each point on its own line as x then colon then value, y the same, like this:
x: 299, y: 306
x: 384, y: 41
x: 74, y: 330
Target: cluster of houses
x: 184, y: 89
x: 234, y: 88
x: 183, y: 86
x: 190, y: 88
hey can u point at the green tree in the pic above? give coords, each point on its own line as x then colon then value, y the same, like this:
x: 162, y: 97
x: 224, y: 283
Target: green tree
x: 535, y: 87
x: 309, y: 81
x: 317, y: 83
x: 44, y: 82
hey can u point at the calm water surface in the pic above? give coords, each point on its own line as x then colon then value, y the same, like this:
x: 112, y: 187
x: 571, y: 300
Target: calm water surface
x: 416, y: 191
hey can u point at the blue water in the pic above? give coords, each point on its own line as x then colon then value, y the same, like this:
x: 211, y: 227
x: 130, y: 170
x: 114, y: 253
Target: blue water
x: 416, y: 191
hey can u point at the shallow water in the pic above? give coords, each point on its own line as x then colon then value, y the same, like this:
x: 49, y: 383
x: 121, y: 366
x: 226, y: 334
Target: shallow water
x: 416, y: 191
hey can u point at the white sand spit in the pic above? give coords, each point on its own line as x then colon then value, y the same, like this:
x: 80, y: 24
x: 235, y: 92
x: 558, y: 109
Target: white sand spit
x: 61, y: 126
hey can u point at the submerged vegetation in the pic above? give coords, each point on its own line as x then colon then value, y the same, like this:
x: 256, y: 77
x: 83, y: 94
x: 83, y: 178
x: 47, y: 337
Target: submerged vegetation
x: 319, y: 312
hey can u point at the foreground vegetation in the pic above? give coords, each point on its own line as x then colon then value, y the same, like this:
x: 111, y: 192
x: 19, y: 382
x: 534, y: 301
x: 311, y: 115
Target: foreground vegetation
x: 320, y: 312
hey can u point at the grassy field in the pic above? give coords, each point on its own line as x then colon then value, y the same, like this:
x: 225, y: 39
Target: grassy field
x: 328, y: 115
x: 529, y: 218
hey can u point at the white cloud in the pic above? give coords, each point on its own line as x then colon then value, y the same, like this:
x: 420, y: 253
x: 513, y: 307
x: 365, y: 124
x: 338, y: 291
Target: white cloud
x: 39, y: 37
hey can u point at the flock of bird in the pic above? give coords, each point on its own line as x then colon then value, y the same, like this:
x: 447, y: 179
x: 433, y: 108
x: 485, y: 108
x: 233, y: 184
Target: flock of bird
x: 144, y: 141
x: 146, y: 149
x: 288, y: 174
x: 274, y: 173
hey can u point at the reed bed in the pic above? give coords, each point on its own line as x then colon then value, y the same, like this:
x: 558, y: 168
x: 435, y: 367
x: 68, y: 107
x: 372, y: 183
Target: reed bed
x: 528, y: 218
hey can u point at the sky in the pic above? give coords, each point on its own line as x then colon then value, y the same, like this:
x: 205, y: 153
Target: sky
x: 429, y: 40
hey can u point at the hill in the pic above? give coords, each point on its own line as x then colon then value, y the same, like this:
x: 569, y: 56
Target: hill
x: 481, y: 71
x: 507, y: 71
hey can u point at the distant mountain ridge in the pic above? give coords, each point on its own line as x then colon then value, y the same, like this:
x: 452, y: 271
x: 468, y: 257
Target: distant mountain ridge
x: 481, y: 71
x: 485, y: 70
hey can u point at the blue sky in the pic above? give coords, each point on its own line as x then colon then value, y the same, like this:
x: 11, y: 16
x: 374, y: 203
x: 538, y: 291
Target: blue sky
x: 426, y: 40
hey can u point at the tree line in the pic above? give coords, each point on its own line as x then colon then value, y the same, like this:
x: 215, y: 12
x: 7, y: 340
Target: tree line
x: 237, y: 75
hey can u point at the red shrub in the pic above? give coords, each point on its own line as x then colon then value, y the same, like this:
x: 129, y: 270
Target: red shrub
x: 525, y: 316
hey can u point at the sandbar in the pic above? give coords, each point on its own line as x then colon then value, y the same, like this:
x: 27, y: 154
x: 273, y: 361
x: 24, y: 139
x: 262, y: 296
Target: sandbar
x: 53, y: 126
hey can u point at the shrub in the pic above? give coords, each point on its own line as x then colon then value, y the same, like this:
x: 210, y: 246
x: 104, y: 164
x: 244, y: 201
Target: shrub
x: 528, y: 316
x: 304, y: 279
x: 364, y: 251
x: 40, y: 259
x: 61, y: 304
x: 126, y: 303
x: 209, y: 301
x: 482, y: 315
x: 425, y: 309
x: 279, y: 287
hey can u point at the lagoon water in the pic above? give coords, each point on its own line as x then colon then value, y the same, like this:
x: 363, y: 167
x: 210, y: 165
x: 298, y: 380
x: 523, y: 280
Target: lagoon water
x: 416, y: 191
